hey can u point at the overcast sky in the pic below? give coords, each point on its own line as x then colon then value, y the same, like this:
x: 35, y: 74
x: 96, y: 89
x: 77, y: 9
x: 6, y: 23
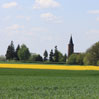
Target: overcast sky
x: 42, y: 24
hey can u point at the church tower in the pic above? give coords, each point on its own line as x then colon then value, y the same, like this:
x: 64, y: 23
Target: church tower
x: 70, y: 47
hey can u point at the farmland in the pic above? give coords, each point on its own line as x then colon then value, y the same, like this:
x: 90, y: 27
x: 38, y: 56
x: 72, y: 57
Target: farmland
x: 48, y: 84
x: 48, y: 66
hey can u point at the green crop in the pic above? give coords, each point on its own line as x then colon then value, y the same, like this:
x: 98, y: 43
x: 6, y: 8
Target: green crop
x: 48, y: 84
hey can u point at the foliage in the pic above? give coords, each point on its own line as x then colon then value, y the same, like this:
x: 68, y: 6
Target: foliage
x: 45, y: 55
x: 39, y: 58
x: 36, y: 57
x: 79, y: 59
x: 56, y: 55
x: 76, y: 59
x: 65, y: 58
x: 62, y: 58
x: 10, y: 54
x: 72, y: 59
x: 98, y: 62
x: 23, y: 53
x: 2, y: 58
x: 16, y: 52
x: 92, y: 55
x: 51, y: 56
x: 87, y: 59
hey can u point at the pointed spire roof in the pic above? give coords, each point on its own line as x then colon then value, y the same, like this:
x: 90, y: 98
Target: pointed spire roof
x: 71, y: 40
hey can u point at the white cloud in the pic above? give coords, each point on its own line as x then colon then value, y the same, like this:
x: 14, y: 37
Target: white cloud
x: 39, y: 4
x: 9, y: 5
x: 50, y: 17
x: 93, y: 12
x: 14, y: 27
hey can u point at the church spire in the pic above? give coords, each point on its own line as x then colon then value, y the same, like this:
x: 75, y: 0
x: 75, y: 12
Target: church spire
x: 70, y: 47
x: 71, y: 40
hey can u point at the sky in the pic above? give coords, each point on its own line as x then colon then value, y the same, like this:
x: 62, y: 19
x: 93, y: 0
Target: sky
x: 43, y: 24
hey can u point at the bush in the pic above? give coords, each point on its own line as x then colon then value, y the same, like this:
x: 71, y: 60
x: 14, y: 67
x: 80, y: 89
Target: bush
x: 76, y: 59
x: 98, y: 63
x: 35, y: 58
x: 72, y: 59
x: 92, y: 55
x: 79, y: 59
x: 2, y: 58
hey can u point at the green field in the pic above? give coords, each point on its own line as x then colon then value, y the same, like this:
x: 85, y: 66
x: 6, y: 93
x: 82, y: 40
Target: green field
x: 48, y: 84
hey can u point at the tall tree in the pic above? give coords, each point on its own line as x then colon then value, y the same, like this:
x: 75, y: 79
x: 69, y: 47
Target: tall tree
x: 24, y: 53
x: 45, y: 55
x: 51, y: 56
x: 61, y: 57
x: 65, y: 58
x: 56, y: 55
x: 10, y: 54
x: 92, y: 55
x: 16, y: 52
x: 80, y: 58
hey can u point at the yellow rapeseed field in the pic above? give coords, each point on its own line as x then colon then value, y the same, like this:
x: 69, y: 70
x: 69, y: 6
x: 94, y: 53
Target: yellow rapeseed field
x: 53, y: 67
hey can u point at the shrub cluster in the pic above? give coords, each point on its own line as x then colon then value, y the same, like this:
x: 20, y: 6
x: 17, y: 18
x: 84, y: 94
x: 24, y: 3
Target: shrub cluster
x: 91, y: 57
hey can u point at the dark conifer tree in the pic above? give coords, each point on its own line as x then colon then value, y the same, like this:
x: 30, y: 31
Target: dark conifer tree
x: 45, y: 55
x: 10, y: 54
x: 16, y: 53
x: 65, y: 57
x: 51, y: 56
x: 56, y: 55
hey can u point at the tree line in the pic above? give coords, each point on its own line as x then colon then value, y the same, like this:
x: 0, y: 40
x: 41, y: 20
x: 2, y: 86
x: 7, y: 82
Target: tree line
x: 90, y: 57
x: 22, y: 53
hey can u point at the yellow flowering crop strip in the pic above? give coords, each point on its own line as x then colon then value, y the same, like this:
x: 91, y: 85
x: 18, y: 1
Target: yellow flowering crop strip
x: 53, y: 67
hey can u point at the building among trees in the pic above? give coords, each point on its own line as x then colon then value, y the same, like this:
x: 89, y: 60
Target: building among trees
x: 71, y: 47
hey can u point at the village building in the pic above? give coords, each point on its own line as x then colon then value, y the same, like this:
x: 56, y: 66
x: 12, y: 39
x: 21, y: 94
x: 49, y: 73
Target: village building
x: 71, y: 47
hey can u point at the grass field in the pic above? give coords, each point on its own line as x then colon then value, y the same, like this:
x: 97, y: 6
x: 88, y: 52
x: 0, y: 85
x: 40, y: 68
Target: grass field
x: 48, y: 84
